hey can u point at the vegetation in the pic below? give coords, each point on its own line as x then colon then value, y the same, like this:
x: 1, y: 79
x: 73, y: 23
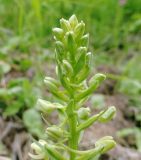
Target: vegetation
x: 73, y: 67
x: 27, y: 54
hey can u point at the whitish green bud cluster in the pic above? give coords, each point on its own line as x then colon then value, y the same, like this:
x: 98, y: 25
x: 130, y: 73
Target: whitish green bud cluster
x: 71, y: 89
x: 73, y: 58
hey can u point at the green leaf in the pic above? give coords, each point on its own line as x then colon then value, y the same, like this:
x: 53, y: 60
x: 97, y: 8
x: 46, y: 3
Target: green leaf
x: 13, y: 108
x: 33, y: 122
x: 4, y: 67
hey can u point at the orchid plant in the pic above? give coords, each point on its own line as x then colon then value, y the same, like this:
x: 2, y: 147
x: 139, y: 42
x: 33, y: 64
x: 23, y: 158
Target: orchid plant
x: 71, y: 89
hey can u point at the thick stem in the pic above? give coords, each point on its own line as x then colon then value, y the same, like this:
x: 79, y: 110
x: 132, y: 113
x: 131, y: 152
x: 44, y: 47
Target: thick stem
x: 72, y: 119
x: 73, y: 142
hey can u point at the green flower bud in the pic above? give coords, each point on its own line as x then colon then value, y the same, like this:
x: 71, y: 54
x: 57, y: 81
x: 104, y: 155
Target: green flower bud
x: 46, y: 106
x: 108, y: 115
x: 54, y: 90
x: 83, y: 113
x: 66, y: 83
x: 70, y: 41
x: 106, y: 142
x: 81, y: 60
x: 65, y: 25
x: 59, y: 33
x: 88, y: 58
x: 85, y: 40
x: 37, y: 146
x: 53, y: 153
x: 97, y: 77
x: 51, y: 85
x: 82, y: 51
x: 71, y: 46
x: 79, y: 30
x: 59, y: 47
x: 53, y: 81
x: 89, y: 122
x: 83, y: 74
x: 67, y: 67
x: 56, y: 71
x: 73, y: 21
x: 56, y: 132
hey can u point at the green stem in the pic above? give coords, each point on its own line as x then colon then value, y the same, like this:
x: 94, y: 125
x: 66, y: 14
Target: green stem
x: 72, y: 120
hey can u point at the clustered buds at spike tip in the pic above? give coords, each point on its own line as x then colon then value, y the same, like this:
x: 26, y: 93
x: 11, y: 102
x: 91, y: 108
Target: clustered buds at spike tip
x: 71, y: 89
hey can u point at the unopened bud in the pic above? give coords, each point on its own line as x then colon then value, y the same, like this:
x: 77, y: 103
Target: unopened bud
x: 46, y: 106
x: 58, y: 32
x: 59, y: 47
x: 51, y: 149
x: 51, y: 86
x: 106, y: 142
x: 108, y: 115
x: 84, y: 113
x: 52, y: 80
x: 67, y: 67
x: 83, y: 74
x: 65, y: 25
x: 81, y: 60
x: 38, y: 146
x: 85, y: 40
x: 97, y: 77
x: 88, y: 58
x: 70, y: 40
x: 79, y: 30
x: 56, y: 132
x: 73, y: 21
x: 82, y: 50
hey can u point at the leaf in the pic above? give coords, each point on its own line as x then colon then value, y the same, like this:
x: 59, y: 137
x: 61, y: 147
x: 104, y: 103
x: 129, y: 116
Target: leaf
x: 13, y: 108
x: 130, y: 87
x: 33, y: 122
x: 138, y: 139
x: 4, y: 67
x: 133, y: 68
x: 25, y: 64
x: 125, y: 132
x: 3, y: 92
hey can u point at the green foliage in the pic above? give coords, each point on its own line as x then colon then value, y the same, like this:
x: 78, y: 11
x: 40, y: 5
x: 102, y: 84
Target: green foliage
x: 136, y: 132
x: 4, y: 68
x: 131, y: 87
x: 26, y: 44
x: 33, y: 122
x: 16, y: 89
x: 34, y: 19
x: 16, y: 100
x: 131, y: 84
x: 72, y: 89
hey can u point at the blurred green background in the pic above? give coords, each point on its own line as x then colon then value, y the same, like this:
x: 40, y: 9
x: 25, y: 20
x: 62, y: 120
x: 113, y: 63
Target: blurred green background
x: 27, y: 49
